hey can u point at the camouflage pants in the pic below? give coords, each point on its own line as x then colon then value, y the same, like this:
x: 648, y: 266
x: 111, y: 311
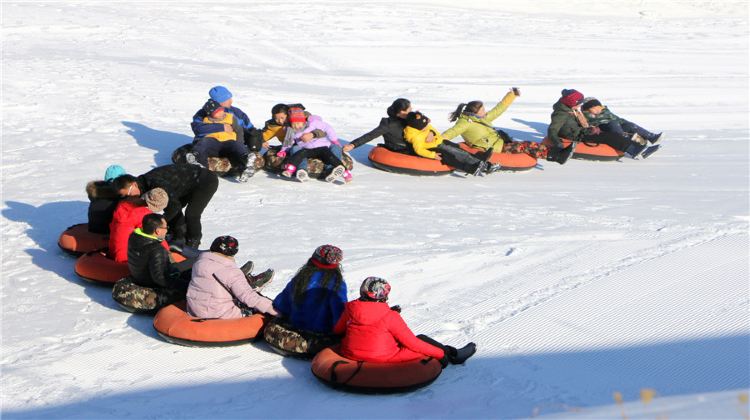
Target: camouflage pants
x: 294, y: 343
x: 137, y: 298
x: 533, y: 149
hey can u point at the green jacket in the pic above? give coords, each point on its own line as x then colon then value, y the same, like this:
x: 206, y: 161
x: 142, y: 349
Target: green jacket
x: 564, y: 125
x: 478, y: 132
x: 604, y: 117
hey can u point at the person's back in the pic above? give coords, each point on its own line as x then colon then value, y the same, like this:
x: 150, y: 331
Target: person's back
x: 126, y: 218
x: 103, y: 202
x: 148, y: 261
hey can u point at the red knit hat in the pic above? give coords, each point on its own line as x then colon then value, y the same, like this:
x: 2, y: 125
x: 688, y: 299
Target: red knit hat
x: 297, y: 115
x: 571, y: 97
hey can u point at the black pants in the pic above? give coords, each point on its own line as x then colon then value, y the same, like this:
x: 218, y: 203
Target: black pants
x: 188, y: 226
x: 323, y: 153
x: 452, y: 155
x: 233, y: 150
x: 615, y: 140
x: 253, y: 139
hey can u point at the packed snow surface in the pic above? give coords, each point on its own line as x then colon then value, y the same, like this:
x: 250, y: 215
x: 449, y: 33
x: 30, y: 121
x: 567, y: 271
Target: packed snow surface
x: 576, y: 281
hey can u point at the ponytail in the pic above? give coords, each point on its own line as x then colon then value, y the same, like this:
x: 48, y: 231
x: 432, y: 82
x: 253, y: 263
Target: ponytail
x: 470, y: 108
x: 453, y: 116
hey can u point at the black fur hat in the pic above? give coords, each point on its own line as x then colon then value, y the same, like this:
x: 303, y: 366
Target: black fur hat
x: 417, y: 120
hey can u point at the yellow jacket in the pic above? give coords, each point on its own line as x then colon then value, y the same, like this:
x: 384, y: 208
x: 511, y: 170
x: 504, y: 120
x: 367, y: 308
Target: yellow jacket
x: 478, y: 132
x: 418, y: 140
x: 222, y: 135
x: 271, y: 130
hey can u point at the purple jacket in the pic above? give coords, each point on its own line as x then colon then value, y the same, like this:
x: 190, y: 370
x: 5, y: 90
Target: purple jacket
x: 206, y: 298
x: 314, y: 122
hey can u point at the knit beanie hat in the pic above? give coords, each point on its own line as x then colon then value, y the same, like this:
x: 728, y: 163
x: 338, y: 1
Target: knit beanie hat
x: 226, y: 245
x: 112, y: 172
x: 297, y: 115
x: 156, y: 199
x: 220, y: 94
x: 571, y: 97
x: 211, y: 106
x: 375, y: 288
x: 589, y: 103
x: 417, y: 120
x: 328, y: 254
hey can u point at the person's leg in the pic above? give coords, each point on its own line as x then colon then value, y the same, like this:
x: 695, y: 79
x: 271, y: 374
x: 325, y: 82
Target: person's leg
x: 237, y: 154
x: 613, y: 127
x: 338, y: 152
x: 327, y: 156
x: 208, y: 183
x: 302, y: 163
x: 458, y: 158
x: 616, y: 141
x: 631, y: 127
x: 455, y: 356
x: 253, y: 139
x: 205, y: 148
x: 295, y: 159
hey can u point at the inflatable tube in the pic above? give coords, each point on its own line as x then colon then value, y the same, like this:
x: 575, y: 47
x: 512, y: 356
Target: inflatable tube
x: 98, y: 268
x: 315, y: 167
x: 508, y: 161
x: 298, y: 344
x: 586, y: 151
x: 143, y: 300
x: 177, y: 327
x: 401, y: 163
x: 77, y: 240
x: 373, y: 378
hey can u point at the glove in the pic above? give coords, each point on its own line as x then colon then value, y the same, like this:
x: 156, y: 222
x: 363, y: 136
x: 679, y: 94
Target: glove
x: 281, y: 154
x: 594, y: 130
x: 516, y: 91
x: 396, y: 308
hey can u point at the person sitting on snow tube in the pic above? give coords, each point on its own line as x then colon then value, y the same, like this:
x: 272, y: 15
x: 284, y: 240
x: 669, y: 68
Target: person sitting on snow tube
x: 568, y: 122
x: 314, y: 299
x: 128, y: 216
x: 375, y: 332
x: 299, y: 150
x: 150, y: 263
x: 222, y: 95
x: 278, y: 124
x: 427, y: 142
x: 598, y: 115
x: 391, y: 128
x: 103, y: 200
x: 474, y: 125
x: 219, y: 289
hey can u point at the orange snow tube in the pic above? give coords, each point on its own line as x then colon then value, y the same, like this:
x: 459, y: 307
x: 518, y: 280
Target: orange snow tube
x: 508, y: 161
x: 339, y: 372
x: 97, y: 267
x: 401, y: 163
x: 173, y: 323
x: 590, y: 151
x: 77, y: 240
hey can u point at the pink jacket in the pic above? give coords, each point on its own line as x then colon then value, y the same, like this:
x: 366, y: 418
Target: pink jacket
x: 206, y: 298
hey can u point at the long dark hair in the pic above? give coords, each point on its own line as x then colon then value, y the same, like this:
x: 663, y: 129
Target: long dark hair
x: 472, y: 107
x: 302, y: 279
x: 397, y: 106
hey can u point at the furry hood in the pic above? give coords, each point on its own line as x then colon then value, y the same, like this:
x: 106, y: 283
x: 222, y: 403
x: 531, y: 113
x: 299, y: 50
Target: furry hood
x: 100, y: 190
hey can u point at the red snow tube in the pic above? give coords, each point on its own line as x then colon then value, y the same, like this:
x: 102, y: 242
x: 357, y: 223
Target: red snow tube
x: 339, y: 372
x: 97, y: 267
x: 508, y: 161
x: 590, y: 151
x: 173, y: 323
x: 401, y: 163
x: 77, y: 240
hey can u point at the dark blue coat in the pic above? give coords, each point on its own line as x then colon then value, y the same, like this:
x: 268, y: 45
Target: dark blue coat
x: 201, y: 128
x: 319, y: 308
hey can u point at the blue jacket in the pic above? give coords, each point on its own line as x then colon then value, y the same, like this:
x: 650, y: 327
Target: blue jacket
x: 201, y: 128
x: 318, y: 310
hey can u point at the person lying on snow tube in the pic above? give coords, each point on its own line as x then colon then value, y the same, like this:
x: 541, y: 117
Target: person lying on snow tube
x: 598, y: 115
x: 103, y: 200
x: 150, y: 262
x: 474, y: 125
x: 220, y: 289
x: 391, y: 128
x: 375, y: 332
x: 228, y: 143
x: 128, y: 216
x: 427, y: 142
x: 321, y: 148
x: 568, y: 122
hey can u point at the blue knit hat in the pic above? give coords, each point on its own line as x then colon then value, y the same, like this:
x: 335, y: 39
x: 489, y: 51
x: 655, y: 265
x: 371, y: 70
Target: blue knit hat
x: 112, y: 172
x: 220, y: 94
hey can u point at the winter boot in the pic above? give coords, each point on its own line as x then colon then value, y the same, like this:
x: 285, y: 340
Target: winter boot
x: 258, y: 281
x: 246, y: 174
x: 458, y: 356
x: 288, y: 170
x: 492, y: 167
x: 566, y: 153
x: 335, y: 173
x: 655, y: 138
x: 347, y: 176
x: 635, y: 150
x: 481, y: 167
x: 650, y: 151
x: 192, y: 158
x: 485, y: 156
x: 247, y: 268
x: 302, y: 175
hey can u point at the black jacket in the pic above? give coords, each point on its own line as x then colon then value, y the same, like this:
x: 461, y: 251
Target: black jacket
x: 149, y: 262
x: 178, y: 180
x: 103, y: 204
x: 392, y: 130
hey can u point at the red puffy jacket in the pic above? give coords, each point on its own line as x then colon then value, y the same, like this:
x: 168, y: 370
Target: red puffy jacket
x: 375, y: 333
x: 128, y: 216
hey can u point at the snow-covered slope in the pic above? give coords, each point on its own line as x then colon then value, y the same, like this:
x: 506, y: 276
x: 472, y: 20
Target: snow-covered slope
x: 575, y: 281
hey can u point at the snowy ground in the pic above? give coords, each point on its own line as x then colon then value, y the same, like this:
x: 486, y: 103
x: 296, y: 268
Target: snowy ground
x: 575, y: 281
